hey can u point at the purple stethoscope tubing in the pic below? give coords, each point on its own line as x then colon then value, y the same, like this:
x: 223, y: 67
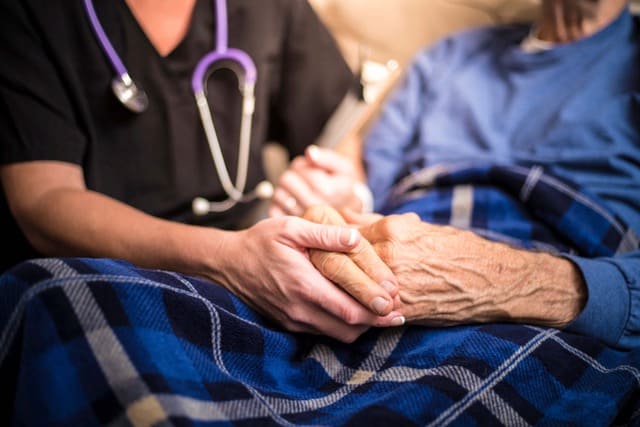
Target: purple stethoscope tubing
x: 223, y: 52
x: 124, y: 88
x: 103, y: 39
x: 134, y: 98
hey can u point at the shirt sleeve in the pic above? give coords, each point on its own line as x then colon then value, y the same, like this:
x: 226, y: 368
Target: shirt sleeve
x: 316, y: 78
x: 37, y: 120
x: 391, y: 135
x: 390, y: 143
x: 612, y: 312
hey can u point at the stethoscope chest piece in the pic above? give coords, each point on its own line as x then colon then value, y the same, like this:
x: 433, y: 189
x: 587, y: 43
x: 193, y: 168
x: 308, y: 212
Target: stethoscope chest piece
x: 130, y: 94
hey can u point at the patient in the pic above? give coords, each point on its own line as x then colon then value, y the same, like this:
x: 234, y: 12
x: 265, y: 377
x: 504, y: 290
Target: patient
x: 527, y: 138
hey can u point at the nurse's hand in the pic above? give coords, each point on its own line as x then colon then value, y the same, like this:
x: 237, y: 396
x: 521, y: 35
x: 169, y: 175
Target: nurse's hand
x: 320, y: 177
x: 359, y: 271
x: 268, y: 267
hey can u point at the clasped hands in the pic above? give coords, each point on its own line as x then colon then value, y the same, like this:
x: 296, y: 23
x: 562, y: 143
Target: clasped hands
x: 446, y: 276
x: 403, y: 269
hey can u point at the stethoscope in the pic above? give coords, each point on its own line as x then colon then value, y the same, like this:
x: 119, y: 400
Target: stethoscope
x: 132, y: 96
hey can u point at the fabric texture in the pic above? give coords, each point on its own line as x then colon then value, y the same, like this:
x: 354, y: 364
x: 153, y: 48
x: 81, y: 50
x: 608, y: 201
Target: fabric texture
x: 99, y: 342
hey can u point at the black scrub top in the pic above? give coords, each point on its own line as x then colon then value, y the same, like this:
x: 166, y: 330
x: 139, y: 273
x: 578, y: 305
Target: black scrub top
x: 56, y: 101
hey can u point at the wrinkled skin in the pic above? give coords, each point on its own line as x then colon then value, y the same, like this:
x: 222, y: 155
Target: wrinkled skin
x: 448, y: 276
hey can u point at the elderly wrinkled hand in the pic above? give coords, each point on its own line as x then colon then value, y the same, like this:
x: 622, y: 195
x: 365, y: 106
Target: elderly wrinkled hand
x: 449, y: 276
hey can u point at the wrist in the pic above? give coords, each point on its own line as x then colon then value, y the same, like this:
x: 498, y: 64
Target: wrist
x: 555, y: 291
x: 211, y: 254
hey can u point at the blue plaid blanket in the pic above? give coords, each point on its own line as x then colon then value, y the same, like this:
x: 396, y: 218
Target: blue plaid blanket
x: 523, y: 206
x: 101, y: 342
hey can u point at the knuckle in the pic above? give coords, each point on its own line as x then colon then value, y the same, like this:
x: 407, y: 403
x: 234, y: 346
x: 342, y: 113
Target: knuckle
x: 412, y: 216
x: 298, y: 162
x: 396, y: 225
x: 316, y: 213
x: 387, y: 224
x: 350, y: 316
x: 296, y: 316
x: 290, y: 225
x: 287, y: 178
x: 332, y: 265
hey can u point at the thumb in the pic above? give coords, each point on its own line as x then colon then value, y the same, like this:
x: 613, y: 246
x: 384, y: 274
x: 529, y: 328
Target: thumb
x: 329, y: 160
x: 338, y: 238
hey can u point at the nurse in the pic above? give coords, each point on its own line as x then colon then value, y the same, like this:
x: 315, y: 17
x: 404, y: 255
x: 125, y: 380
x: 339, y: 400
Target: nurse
x: 83, y: 175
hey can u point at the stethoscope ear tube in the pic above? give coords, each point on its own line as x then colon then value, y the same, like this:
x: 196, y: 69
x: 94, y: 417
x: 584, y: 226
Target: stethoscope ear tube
x: 246, y: 81
x: 201, y: 206
x: 124, y: 88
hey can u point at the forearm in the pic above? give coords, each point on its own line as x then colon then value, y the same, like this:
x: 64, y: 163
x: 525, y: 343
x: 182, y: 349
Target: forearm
x: 350, y: 148
x: 74, y: 222
x: 550, y: 291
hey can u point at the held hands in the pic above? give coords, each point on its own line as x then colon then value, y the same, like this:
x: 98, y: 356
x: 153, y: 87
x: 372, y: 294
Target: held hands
x: 320, y: 177
x: 447, y: 276
x: 268, y: 267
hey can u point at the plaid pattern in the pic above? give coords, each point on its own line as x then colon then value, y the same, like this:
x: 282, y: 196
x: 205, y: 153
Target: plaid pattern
x: 523, y: 206
x: 100, y: 342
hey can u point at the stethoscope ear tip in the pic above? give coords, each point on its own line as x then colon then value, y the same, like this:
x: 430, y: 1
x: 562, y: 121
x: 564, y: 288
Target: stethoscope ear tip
x: 264, y: 190
x: 200, y: 206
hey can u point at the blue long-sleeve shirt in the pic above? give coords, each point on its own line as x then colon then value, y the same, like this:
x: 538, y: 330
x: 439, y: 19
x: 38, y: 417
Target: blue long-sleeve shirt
x: 575, y: 110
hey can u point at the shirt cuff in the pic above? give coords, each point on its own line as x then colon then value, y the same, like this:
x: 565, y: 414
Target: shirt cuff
x: 606, y: 312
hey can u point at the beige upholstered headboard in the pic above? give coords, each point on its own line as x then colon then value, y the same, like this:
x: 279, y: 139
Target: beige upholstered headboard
x: 395, y: 29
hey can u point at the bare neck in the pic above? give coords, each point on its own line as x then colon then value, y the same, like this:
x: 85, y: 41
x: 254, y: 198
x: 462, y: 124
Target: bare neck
x: 165, y: 22
x: 564, y: 21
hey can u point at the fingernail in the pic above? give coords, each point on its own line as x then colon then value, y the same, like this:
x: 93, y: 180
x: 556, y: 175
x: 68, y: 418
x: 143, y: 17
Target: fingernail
x: 353, y: 235
x: 398, y: 321
x: 313, y: 152
x: 379, y: 304
x: 388, y: 286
